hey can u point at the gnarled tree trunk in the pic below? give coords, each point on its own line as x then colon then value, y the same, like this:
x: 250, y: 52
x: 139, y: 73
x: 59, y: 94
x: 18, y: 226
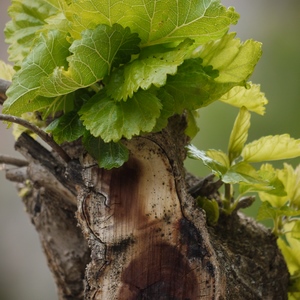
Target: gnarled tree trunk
x: 141, y: 235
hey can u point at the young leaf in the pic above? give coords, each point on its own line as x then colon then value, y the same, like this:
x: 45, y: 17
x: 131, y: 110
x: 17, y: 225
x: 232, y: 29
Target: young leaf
x: 93, y: 56
x: 250, y: 96
x: 289, y: 178
x: 112, y: 120
x: 239, y: 134
x: 267, y: 211
x: 234, y: 61
x: 291, y: 254
x: 50, y: 51
x: 108, y: 155
x: 146, y: 70
x: 157, y: 22
x: 296, y: 229
x: 271, y: 148
x: 242, y: 173
x: 211, y: 208
x: 6, y: 71
x: 67, y: 128
x: 216, y: 160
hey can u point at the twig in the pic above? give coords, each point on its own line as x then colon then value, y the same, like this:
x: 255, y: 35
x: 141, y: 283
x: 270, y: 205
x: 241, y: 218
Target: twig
x: 42, y: 134
x: 4, y: 85
x: 9, y: 160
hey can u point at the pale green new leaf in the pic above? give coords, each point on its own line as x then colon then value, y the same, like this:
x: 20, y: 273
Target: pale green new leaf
x: 295, y: 233
x: 112, y: 120
x: 155, y: 21
x: 27, y: 19
x: 6, y: 71
x: 92, y: 58
x: 291, y: 255
x: 50, y: 51
x: 108, y: 155
x: 242, y: 173
x: 149, y: 69
x: 267, y: 211
x: 289, y: 178
x: 234, y: 60
x: 271, y: 148
x: 250, y: 96
x: 239, y: 134
x: 271, y: 187
x: 216, y: 160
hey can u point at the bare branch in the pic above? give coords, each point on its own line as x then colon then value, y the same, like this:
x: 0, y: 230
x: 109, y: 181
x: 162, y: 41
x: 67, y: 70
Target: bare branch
x: 9, y: 160
x: 42, y: 134
x: 4, y: 85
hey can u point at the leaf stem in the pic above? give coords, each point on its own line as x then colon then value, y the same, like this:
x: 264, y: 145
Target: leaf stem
x: 42, y: 134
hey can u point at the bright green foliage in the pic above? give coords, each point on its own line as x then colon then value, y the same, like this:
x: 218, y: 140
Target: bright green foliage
x: 235, y: 166
x: 156, y: 22
x: 137, y: 63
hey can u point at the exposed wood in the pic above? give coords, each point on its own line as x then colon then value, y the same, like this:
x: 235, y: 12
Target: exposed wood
x: 150, y: 249
x: 147, y: 238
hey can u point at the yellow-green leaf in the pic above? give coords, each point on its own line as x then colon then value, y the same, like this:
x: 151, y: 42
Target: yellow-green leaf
x: 234, y: 60
x: 271, y: 148
x: 239, y: 133
x: 249, y: 96
x: 6, y: 71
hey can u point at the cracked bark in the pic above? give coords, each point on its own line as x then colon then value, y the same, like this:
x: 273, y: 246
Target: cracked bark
x: 141, y: 235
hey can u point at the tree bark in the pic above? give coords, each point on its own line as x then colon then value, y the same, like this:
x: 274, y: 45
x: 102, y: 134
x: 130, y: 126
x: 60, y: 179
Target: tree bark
x: 142, y: 235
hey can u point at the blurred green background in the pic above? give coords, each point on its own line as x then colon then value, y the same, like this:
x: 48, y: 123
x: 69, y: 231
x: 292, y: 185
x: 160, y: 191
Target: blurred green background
x: 276, y: 23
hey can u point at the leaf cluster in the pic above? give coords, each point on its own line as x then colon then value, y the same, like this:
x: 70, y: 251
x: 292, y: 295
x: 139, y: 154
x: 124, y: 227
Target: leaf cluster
x: 278, y: 189
x: 107, y: 72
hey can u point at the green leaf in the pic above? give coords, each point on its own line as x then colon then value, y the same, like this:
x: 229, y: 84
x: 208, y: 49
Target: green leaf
x: 194, y: 86
x: 112, y: 120
x: 211, y: 208
x: 250, y: 96
x: 92, y: 58
x: 108, y: 155
x: 267, y: 211
x: 157, y: 22
x: 296, y: 230
x: 27, y: 19
x: 168, y: 109
x: 290, y: 180
x: 192, y: 128
x: 150, y: 68
x: 50, y: 51
x: 271, y: 148
x: 242, y: 173
x: 234, y: 60
x: 6, y: 71
x: 216, y: 160
x: 67, y: 128
x: 239, y: 134
x: 291, y: 255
